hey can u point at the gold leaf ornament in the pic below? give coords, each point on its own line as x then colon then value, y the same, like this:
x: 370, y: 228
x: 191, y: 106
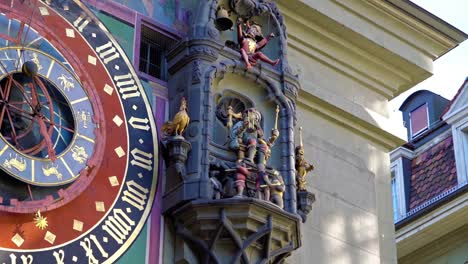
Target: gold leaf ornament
x: 40, y: 221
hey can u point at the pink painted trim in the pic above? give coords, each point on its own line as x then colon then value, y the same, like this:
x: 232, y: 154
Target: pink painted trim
x: 149, y: 77
x: 117, y: 10
x: 149, y: 22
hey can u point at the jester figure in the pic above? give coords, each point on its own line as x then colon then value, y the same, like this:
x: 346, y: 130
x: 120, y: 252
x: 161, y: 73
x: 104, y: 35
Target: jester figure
x: 251, y: 42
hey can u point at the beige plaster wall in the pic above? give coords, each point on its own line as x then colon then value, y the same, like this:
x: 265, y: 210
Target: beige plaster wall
x: 348, y: 223
x: 352, y: 57
x: 456, y: 255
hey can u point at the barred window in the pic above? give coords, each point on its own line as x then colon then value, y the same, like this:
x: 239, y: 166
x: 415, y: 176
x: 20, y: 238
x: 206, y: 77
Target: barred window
x: 153, y: 50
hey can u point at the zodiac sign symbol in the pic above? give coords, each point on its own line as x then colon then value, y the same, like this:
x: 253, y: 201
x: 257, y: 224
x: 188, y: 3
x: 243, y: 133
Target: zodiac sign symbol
x: 7, y: 58
x: 35, y: 59
x: 66, y: 82
x: 51, y: 170
x: 85, y: 117
x: 18, y: 164
x: 79, y: 154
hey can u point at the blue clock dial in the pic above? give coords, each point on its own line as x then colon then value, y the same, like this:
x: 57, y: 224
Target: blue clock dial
x: 47, y: 127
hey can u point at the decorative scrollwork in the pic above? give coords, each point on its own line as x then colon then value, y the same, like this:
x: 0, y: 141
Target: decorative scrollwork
x: 237, y: 104
x: 204, y: 50
x: 196, y: 72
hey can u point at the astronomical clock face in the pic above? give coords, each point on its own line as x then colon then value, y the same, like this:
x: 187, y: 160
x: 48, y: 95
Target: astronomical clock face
x: 77, y: 153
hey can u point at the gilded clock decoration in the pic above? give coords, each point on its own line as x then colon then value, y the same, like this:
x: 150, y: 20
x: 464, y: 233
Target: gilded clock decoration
x: 79, y: 154
x: 40, y: 221
x: 66, y: 82
x: 15, y: 163
x: 50, y: 170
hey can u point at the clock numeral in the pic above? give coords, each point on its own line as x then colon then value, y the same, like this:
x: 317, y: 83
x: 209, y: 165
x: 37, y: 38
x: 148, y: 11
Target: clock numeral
x: 139, y: 123
x: 126, y: 85
x: 24, y: 259
x: 59, y: 256
x: 81, y: 22
x: 87, y: 246
x: 118, y: 225
x: 135, y: 195
x: 142, y: 159
x: 107, y: 52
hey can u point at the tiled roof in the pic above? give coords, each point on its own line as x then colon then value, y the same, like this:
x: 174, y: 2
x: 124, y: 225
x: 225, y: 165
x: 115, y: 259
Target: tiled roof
x: 433, y: 172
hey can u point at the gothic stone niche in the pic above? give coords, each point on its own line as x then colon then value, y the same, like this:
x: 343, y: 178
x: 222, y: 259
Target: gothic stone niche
x: 244, y: 139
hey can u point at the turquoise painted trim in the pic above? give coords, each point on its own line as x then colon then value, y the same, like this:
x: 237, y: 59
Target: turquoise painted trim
x: 136, y: 254
x: 121, y: 31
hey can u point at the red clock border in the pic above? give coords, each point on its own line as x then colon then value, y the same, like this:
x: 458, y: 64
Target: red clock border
x: 65, y: 211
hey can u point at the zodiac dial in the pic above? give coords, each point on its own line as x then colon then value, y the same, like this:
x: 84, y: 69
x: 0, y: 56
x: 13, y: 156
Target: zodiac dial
x: 46, y: 128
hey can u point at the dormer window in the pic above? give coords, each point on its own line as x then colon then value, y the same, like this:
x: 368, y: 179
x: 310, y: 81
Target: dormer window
x: 419, y: 120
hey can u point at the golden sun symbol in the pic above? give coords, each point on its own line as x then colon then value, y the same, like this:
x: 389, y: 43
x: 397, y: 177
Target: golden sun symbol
x: 40, y: 221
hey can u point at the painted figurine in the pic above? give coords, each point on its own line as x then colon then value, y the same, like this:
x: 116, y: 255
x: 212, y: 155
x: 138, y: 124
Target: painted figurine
x: 179, y: 123
x: 302, y: 166
x: 247, y: 138
x: 251, y: 43
x: 241, y: 175
x: 277, y: 189
x: 246, y: 135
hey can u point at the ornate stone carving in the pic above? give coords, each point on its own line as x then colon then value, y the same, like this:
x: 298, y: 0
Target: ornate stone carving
x: 305, y: 199
x: 261, y: 233
x: 228, y: 105
x: 175, y: 152
x: 291, y: 90
x: 204, y: 50
x: 196, y: 72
